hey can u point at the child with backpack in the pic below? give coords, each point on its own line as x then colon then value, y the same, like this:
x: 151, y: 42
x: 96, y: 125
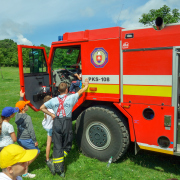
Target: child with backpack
x: 26, y: 136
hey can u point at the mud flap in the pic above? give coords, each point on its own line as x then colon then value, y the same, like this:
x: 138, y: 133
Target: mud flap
x: 136, y: 149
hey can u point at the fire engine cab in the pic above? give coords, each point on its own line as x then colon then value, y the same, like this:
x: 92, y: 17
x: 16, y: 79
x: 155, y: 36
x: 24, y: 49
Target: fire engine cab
x: 134, y: 86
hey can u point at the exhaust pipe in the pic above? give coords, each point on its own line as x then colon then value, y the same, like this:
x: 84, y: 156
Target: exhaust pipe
x: 159, y: 23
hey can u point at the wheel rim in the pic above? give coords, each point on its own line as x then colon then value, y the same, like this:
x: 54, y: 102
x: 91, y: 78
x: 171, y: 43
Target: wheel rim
x: 98, y: 135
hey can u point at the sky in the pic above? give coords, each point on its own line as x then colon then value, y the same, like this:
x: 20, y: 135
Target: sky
x: 38, y: 22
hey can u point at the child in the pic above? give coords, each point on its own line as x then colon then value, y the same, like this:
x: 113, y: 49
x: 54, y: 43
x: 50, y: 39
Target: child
x: 13, y: 161
x: 47, y: 125
x: 7, y: 134
x: 26, y: 135
x: 74, y: 84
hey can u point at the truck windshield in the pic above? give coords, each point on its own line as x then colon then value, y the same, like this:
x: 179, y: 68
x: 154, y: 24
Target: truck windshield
x: 64, y: 57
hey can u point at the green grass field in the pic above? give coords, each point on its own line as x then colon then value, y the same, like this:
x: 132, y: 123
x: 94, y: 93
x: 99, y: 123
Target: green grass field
x: 145, y: 165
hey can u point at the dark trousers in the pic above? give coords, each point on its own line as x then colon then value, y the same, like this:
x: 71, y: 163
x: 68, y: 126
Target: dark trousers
x: 74, y: 84
x: 62, y: 138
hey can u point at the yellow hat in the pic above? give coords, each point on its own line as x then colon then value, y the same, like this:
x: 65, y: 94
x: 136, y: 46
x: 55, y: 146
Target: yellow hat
x: 13, y: 154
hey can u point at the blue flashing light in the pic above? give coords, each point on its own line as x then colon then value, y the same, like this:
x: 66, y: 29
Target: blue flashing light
x: 60, y: 38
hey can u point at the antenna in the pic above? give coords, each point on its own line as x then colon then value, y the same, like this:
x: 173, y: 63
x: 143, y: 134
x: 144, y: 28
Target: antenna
x: 119, y: 14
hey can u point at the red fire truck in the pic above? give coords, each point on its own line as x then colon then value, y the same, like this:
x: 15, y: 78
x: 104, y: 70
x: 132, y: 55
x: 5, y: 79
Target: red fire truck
x: 134, y: 87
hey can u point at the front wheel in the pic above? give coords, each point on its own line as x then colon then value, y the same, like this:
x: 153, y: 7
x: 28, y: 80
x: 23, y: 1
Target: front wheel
x: 102, y: 133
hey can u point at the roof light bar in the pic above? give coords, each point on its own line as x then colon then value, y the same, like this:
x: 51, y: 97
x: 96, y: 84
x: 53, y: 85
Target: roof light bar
x: 60, y: 38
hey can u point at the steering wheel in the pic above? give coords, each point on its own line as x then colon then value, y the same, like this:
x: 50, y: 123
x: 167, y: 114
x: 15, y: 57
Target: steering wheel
x: 70, y: 72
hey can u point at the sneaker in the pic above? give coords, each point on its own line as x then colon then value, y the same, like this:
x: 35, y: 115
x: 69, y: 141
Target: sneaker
x: 61, y: 174
x: 51, y: 167
x: 29, y: 175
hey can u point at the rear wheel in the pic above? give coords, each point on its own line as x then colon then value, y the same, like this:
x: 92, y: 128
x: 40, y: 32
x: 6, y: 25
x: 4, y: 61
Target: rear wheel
x: 102, y: 133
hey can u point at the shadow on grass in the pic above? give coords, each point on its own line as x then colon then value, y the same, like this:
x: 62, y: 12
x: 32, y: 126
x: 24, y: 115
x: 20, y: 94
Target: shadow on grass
x: 4, y: 79
x: 153, y: 160
x: 73, y: 156
x: 39, y: 162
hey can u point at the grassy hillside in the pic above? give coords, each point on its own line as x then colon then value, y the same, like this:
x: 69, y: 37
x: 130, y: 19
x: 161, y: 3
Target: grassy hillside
x: 145, y: 165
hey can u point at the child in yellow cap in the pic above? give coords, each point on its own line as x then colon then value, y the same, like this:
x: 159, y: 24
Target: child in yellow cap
x: 13, y: 161
x: 26, y: 136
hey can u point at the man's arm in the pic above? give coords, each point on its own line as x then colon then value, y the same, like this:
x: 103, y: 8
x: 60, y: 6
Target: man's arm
x: 86, y: 84
x: 44, y: 109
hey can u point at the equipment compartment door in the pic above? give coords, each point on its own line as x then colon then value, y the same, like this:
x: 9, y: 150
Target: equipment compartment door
x: 34, y: 74
x: 178, y: 99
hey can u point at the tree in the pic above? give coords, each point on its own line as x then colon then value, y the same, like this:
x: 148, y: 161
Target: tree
x: 164, y: 12
x: 47, y: 48
x: 8, y: 53
x: 1, y: 59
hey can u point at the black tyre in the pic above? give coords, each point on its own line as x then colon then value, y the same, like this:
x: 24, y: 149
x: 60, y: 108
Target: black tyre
x: 102, y: 133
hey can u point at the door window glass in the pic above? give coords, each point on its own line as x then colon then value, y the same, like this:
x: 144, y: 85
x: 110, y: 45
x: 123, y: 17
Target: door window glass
x: 34, y: 61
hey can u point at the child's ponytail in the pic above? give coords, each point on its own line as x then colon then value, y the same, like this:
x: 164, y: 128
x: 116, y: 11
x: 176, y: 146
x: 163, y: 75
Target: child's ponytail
x: 46, y: 98
x: 1, y: 120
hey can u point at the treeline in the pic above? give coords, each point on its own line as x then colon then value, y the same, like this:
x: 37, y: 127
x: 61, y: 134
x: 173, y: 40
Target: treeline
x: 9, y: 53
x: 64, y: 57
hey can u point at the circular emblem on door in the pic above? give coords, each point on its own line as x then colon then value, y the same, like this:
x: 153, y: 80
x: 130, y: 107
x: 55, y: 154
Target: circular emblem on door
x: 99, y: 57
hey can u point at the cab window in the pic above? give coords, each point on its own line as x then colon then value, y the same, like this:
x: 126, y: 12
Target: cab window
x: 34, y: 61
x: 64, y: 57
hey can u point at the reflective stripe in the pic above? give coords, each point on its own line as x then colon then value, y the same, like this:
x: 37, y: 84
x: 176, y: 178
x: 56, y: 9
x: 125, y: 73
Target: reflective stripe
x: 104, y: 88
x: 159, y: 80
x: 155, y: 148
x: 61, y: 106
x: 65, y: 153
x: 162, y: 91
x: 58, y: 160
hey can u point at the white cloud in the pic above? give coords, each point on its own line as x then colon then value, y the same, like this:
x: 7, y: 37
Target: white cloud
x: 173, y: 2
x: 88, y: 12
x: 27, y: 17
x: 12, y: 30
x: 22, y: 40
x: 129, y: 18
x: 42, y: 12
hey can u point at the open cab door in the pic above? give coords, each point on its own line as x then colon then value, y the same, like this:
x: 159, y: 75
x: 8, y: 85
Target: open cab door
x: 34, y: 73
